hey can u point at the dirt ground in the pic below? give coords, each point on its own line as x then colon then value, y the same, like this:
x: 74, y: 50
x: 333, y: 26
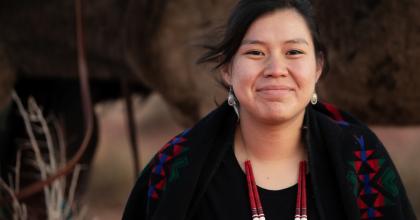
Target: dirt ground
x: 112, y: 174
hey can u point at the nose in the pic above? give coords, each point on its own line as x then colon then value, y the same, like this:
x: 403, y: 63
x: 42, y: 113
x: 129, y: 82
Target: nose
x: 276, y: 67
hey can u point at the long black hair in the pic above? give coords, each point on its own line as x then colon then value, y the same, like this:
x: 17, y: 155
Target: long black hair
x: 245, y: 13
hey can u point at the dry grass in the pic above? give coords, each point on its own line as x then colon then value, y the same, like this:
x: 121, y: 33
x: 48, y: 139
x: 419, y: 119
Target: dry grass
x: 59, y: 202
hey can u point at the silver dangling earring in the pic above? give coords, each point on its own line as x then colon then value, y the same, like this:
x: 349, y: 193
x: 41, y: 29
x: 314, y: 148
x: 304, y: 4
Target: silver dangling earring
x: 232, y: 101
x: 314, y: 98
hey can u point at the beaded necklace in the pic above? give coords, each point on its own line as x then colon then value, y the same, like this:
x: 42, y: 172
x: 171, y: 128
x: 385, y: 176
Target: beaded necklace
x: 254, y: 197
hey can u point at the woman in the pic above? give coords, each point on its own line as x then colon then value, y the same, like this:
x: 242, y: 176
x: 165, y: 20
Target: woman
x: 271, y: 151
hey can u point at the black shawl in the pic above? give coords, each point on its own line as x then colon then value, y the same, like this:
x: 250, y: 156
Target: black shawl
x: 352, y: 174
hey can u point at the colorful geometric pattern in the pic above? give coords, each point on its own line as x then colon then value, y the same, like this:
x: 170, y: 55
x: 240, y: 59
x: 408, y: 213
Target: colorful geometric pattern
x: 167, y: 164
x: 373, y: 184
x: 335, y: 114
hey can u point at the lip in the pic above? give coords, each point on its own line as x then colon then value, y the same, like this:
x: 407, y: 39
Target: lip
x: 274, y: 92
x: 274, y: 88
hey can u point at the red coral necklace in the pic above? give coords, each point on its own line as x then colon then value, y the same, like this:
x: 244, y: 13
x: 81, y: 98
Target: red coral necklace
x: 254, y: 197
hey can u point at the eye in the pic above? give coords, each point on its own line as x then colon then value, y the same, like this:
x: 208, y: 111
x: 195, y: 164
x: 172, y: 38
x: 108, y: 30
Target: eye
x: 254, y: 53
x: 294, y: 52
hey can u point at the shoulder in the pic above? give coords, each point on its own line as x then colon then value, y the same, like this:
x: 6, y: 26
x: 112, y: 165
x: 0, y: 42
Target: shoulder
x: 369, y: 168
x: 153, y: 180
x: 177, y: 160
x: 343, y: 122
x: 355, y: 140
x: 176, y: 154
x: 179, y: 146
x: 162, y: 168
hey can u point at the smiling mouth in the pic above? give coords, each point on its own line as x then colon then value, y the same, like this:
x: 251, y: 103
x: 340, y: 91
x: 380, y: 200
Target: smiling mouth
x: 274, y: 88
x: 274, y: 93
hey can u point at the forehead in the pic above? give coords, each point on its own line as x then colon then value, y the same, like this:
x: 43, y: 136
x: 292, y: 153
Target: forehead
x: 281, y: 25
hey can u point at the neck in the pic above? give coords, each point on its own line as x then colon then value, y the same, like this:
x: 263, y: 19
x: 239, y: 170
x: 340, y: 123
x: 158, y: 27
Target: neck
x: 270, y: 143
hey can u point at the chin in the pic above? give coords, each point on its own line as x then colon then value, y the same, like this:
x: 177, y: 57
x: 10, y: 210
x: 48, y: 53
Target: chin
x: 279, y: 115
x: 275, y: 119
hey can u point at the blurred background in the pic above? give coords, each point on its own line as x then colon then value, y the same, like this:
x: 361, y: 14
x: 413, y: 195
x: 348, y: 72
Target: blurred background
x: 145, y: 87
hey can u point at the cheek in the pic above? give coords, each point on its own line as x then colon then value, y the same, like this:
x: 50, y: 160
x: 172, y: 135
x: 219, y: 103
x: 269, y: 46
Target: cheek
x: 243, y: 74
x: 304, y: 73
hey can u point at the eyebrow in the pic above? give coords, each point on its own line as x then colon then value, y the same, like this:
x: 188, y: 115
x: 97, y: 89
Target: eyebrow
x: 297, y: 41
x: 292, y: 41
x: 252, y: 42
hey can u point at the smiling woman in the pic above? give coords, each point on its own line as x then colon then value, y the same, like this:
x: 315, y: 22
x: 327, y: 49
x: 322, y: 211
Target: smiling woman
x: 271, y: 151
x: 274, y: 71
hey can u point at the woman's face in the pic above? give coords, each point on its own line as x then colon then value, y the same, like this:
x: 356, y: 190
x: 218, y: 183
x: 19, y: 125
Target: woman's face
x: 274, y: 71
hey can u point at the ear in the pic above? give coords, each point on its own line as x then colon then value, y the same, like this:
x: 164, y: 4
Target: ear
x: 319, y: 66
x: 226, y: 75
